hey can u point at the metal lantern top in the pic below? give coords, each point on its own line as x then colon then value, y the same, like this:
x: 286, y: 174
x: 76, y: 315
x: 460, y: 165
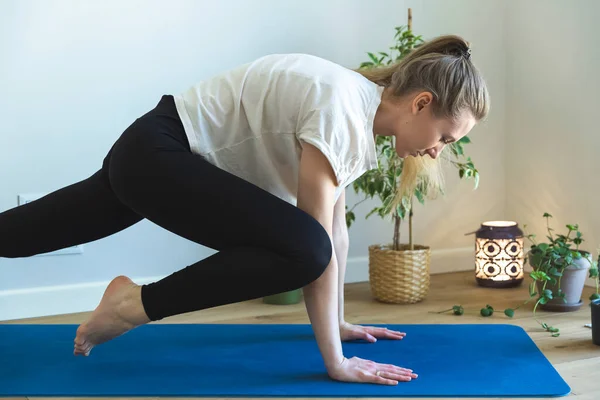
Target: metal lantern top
x: 499, y: 230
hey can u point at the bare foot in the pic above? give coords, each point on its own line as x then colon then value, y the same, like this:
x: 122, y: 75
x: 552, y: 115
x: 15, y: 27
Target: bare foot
x: 119, y: 311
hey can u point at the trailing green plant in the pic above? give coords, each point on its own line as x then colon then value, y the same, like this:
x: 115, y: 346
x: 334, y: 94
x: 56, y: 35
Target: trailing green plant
x: 549, y: 261
x: 383, y: 182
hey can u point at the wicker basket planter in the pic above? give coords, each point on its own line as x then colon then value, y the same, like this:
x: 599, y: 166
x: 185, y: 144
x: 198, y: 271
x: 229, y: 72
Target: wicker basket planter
x: 400, y: 276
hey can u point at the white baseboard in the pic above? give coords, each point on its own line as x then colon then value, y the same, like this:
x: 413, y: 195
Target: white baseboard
x: 83, y: 297
x: 54, y: 300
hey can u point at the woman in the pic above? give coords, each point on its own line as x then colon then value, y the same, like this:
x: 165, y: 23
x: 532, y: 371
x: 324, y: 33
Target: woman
x: 253, y: 163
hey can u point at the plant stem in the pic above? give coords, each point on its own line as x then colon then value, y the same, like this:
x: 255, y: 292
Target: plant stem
x: 441, y: 312
x: 395, y: 212
x: 396, y: 232
x: 538, y: 302
x: 522, y: 304
x: 410, y: 232
x: 534, y: 308
x: 548, y: 227
x: 363, y: 200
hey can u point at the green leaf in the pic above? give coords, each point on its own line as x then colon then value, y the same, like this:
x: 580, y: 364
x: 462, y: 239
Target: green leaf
x: 459, y: 149
x: 372, y: 57
x: 458, y: 310
x: 546, y: 215
x: 476, y: 176
x: 419, y: 196
x: 555, y: 272
x: 401, y: 211
x: 535, y: 259
x: 539, y: 275
x: 373, y: 211
x: 406, y: 202
x: 543, y: 247
x: 509, y: 312
x: 350, y: 217
x: 568, y: 260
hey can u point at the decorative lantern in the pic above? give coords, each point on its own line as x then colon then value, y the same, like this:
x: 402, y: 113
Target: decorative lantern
x: 499, y: 254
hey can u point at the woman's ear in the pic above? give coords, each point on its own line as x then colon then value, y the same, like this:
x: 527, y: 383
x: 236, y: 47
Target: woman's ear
x: 421, y: 101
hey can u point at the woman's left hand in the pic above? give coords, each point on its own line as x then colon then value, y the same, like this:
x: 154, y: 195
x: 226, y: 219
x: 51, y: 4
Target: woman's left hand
x: 368, y: 333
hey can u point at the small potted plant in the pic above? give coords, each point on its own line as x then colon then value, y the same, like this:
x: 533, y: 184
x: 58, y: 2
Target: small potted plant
x: 399, y: 271
x: 560, y: 268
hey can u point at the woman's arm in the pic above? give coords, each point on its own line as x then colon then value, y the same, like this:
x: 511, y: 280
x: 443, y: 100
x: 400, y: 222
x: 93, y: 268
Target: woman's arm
x: 341, y: 243
x: 316, y: 194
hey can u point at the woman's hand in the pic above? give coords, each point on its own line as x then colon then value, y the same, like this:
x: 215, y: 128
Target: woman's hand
x: 368, y: 333
x: 360, y: 370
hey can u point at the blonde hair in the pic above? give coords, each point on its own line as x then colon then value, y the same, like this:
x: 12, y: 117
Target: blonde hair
x: 443, y: 67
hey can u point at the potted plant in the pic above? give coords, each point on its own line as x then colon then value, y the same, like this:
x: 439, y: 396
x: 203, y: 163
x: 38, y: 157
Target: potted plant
x: 559, y: 271
x: 285, y: 298
x: 399, y: 272
x: 560, y: 268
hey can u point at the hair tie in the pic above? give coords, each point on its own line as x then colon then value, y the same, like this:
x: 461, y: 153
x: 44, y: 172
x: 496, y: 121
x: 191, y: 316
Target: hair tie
x: 467, y: 53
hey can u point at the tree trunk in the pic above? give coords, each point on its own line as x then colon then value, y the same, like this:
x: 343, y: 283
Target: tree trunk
x: 396, y: 232
x: 410, y: 231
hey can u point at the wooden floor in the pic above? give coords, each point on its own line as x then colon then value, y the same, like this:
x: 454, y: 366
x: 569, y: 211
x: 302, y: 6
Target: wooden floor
x: 573, y: 354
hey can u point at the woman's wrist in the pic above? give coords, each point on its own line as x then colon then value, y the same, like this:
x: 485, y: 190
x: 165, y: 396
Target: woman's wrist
x: 334, y: 362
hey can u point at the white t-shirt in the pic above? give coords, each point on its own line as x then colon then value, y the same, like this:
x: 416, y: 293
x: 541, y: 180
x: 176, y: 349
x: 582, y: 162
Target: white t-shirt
x: 251, y: 120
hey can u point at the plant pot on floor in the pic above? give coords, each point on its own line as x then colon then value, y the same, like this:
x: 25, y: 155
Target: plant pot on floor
x: 285, y: 298
x: 399, y: 276
x: 571, y: 284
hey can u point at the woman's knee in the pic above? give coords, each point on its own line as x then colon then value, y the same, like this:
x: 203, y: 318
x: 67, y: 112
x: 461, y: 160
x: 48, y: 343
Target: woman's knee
x: 317, y: 251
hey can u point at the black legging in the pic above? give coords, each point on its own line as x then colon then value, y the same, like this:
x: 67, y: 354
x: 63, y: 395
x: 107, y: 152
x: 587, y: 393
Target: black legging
x: 265, y: 245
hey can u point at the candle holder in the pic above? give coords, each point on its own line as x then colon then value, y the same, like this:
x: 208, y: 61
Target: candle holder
x: 499, y: 254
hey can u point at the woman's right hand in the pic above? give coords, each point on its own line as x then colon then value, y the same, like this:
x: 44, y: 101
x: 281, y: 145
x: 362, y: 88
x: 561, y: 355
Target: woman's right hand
x: 360, y: 370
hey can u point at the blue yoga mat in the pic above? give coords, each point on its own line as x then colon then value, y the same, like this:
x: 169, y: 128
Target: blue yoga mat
x: 271, y: 360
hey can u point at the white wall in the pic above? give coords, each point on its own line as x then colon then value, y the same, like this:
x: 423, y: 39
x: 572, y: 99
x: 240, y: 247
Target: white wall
x: 552, y: 136
x: 75, y: 74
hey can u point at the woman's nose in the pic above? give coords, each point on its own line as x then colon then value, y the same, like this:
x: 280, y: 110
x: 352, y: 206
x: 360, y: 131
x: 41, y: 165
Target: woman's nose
x: 432, y: 153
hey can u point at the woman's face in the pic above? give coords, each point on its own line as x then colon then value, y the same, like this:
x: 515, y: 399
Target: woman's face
x: 418, y: 132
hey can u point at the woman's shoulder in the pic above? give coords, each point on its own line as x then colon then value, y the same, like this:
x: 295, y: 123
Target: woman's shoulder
x: 311, y: 68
